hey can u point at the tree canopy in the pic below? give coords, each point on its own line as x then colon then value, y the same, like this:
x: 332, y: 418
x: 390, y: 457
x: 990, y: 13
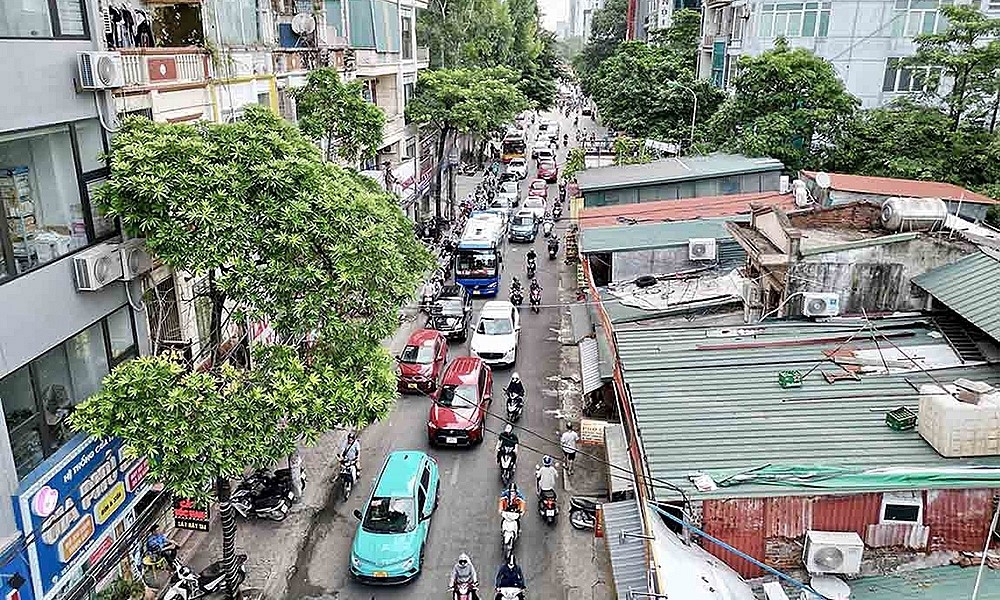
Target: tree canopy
x: 607, y: 30
x: 337, y: 115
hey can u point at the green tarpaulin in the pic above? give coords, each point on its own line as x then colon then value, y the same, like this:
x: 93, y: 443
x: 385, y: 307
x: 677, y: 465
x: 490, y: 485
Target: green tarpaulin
x: 892, y: 478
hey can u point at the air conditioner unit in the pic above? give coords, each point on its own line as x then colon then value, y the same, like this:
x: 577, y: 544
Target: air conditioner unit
x: 833, y: 552
x: 135, y: 259
x: 701, y: 249
x: 100, y: 70
x: 820, y: 305
x: 97, y: 267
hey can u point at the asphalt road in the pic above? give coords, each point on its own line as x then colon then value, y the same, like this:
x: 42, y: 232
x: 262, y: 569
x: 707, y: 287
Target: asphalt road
x: 466, y: 519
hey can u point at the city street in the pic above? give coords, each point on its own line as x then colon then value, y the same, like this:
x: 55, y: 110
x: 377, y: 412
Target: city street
x: 466, y: 520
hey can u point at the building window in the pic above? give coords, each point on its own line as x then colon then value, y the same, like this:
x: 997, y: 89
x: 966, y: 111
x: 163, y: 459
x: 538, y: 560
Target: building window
x: 237, y: 22
x: 411, y: 148
x: 795, y: 19
x: 38, y: 398
x: 913, y: 17
x: 719, y: 64
x: 46, y: 179
x: 43, y: 19
x: 407, y: 38
x: 899, y: 77
x: 408, y: 89
x: 991, y: 6
x: 902, y: 507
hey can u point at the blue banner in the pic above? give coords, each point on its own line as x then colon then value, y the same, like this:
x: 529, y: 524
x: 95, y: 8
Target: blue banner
x: 68, y: 507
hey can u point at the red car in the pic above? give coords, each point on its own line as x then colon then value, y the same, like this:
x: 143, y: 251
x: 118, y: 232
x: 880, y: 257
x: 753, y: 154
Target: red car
x: 458, y: 414
x: 422, y: 361
x: 539, y: 187
x: 549, y: 171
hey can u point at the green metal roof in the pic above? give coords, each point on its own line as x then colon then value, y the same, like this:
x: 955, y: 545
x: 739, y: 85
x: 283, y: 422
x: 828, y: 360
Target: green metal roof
x: 939, y: 583
x: 971, y: 288
x: 688, y: 168
x: 701, y: 406
x: 648, y: 236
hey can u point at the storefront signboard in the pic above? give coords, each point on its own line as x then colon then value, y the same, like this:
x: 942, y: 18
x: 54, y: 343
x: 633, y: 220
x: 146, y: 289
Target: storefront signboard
x: 69, y: 509
x: 189, y: 514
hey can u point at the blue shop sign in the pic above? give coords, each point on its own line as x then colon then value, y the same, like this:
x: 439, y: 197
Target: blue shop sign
x: 65, y: 510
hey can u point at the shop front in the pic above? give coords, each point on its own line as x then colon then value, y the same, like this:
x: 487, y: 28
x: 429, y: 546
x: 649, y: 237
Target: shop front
x: 76, y: 513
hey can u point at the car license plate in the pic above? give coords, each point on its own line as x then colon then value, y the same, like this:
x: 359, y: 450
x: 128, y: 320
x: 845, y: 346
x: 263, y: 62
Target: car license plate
x: 381, y: 574
x: 550, y: 513
x: 451, y: 440
x: 412, y: 386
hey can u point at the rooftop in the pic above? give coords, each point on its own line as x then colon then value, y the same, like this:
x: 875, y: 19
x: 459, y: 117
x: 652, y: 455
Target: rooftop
x: 907, y: 188
x: 649, y: 236
x: 938, y: 583
x: 690, y: 385
x: 685, y: 209
x: 970, y: 287
x: 673, y: 169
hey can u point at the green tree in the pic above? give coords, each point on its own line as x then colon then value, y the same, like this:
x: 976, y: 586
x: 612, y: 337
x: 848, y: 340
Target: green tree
x: 967, y: 54
x: 630, y: 151
x: 336, y: 114
x: 575, y: 162
x: 476, y: 101
x: 607, y: 30
x: 320, y: 252
x: 786, y: 104
x: 538, y: 78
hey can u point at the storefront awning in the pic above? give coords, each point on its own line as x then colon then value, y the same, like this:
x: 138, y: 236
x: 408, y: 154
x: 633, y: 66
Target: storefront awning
x: 590, y: 365
x: 629, y: 564
x: 583, y: 325
x: 620, y: 470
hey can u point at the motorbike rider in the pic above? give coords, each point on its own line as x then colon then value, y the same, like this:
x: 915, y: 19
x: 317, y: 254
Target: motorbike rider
x: 530, y: 257
x: 554, y: 245
x: 464, y: 572
x: 565, y: 140
x: 511, y: 499
x: 545, y: 477
x: 506, y: 442
x: 515, y: 284
x: 351, y: 451
x: 510, y: 576
x: 535, y: 286
x: 158, y: 545
x: 515, y: 386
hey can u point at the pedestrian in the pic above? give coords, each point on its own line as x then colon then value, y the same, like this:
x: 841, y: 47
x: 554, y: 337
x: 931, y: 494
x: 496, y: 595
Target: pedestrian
x: 568, y: 442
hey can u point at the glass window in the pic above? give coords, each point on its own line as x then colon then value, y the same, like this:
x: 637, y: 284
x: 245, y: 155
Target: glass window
x: 766, y: 23
x: 23, y: 422
x: 41, y: 198
x: 334, y: 17
x: 90, y: 141
x: 238, y: 22
x: 361, y: 23
x: 55, y: 394
x: 121, y: 334
x: 88, y: 360
x: 809, y: 24
x: 891, y: 71
x: 33, y: 19
x: 407, y: 38
x: 914, y: 17
x: 794, y: 24
x: 824, y: 24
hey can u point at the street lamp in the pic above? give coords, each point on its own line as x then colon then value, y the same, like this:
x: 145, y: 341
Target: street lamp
x: 694, y: 112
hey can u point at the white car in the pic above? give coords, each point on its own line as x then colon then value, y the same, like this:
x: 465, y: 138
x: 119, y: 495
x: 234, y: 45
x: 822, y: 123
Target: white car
x: 510, y: 193
x: 496, y: 334
x: 541, y: 147
x: 518, y: 167
x: 534, y: 205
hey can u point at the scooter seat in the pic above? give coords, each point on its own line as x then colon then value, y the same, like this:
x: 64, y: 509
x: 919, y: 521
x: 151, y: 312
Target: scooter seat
x: 585, y: 503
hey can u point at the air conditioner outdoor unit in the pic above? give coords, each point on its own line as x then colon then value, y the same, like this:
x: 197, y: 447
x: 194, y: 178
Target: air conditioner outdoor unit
x: 701, y: 249
x: 97, y: 267
x: 820, y: 305
x: 833, y: 552
x: 135, y: 259
x: 100, y: 70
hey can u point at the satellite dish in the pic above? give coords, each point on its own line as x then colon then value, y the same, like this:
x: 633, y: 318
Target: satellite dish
x: 303, y: 24
x: 823, y: 180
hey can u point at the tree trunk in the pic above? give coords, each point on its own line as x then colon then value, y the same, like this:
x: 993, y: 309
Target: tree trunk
x: 228, y: 517
x: 295, y: 466
x: 996, y: 107
x: 215, y: 323
x: 442, y: 142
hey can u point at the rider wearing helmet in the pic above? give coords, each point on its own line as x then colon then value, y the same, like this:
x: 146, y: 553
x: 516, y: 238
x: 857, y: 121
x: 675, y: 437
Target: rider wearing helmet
x: 464, y: 572
x: 515, y: 283
x: 511, y: 499
x: 351, y: 449
x: 545, y: 476
x: 506, y: 442
x: 510, y: 576
x: 515, y: 386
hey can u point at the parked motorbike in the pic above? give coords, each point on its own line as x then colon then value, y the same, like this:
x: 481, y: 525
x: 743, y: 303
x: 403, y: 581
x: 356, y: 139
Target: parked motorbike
x: 462, y: 590
x: 188, y: 585
x: 547, y: 506
x: 347, y: 476
x: 536, y: 299
x: 515, y: 405
x: 531, y: 267
x: 265, y: 495
x: 553, y: 247
x: 583, y: 512
x: 510, y: 530
x: 516, y: 297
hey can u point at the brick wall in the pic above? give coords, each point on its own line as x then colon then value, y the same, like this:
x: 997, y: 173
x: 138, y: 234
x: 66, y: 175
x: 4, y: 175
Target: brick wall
x: 861, y: 216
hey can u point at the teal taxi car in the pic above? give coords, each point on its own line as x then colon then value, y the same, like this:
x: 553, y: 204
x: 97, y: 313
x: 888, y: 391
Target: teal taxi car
x: 389, y: 543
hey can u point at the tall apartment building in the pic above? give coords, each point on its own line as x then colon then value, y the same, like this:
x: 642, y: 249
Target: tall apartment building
x: 67, y: 315
x: 863, y: 39
x: 582, y: 15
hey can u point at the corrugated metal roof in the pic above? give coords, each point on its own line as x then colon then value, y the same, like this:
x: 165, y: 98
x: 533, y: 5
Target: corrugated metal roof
x: 628, y: 556
x: 939, y: 583
x: 688, y: 168
x: 607, y: 361
x: 590, y: 365
x: 971, y: 288
x: 580, y: 320
x: 684, y: 209
x: 620, y: 471
x: 909, y: 188
x: 648, y: 236
x: 703, y: 406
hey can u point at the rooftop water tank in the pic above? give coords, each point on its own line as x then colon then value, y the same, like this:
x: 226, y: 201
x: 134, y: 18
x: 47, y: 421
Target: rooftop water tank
x: 913, y: 214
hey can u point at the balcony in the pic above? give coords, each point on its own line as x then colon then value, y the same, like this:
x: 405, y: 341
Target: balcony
x: 162, y: 67
x: 394, y: 130
x: 370, y: 63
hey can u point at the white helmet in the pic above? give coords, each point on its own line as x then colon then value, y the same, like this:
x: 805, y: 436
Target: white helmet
x: 508, y: 428
x: 515, y: 377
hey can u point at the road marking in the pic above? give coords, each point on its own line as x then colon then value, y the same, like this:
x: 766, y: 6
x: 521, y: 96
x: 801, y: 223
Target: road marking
x: 454, y: 474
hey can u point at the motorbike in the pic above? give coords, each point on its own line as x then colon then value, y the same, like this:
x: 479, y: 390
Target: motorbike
x: 583, y: 512
x: 508, y: 460
x: 531, y: 266
x: 553, y: 248
x: 515, y: 405
x: 265, y: 495
x: 536, y: 299
x: 188, y: 585
x: 510, y: 530
x: 547, y: 506
x: 347, y: 476
x: 516, y: 297
x: 547, y: 228
x: 557, y: 211
x: 462, y: 590
x: 429, y: 295
x: 509, y: 593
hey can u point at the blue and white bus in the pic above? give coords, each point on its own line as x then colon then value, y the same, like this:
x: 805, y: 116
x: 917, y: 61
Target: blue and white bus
x: 479, y: 254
